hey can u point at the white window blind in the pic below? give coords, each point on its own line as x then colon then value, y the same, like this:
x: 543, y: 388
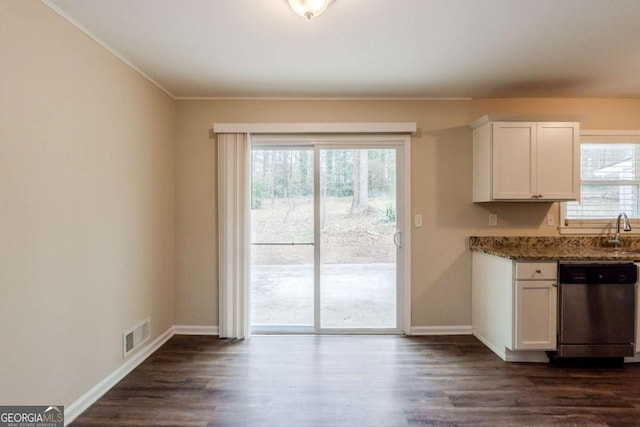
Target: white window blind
x: 610, y: 180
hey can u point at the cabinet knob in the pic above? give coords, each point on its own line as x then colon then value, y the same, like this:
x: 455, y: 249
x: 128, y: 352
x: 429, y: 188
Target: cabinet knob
x: 538, y: 271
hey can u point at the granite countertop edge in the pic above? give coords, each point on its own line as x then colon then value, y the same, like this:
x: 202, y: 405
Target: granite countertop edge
x: 582, y: 248
x: 593, y: 255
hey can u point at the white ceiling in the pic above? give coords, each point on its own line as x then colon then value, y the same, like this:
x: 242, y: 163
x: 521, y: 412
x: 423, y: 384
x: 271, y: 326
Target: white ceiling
x: 374, y: 48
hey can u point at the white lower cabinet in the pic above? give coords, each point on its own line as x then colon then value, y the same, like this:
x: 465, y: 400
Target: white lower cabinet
x: 536, y: 315
x: 637, y: 319
x: 514, y: 306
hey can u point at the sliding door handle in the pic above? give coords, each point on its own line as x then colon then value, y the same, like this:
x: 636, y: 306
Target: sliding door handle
x: 397, y: 239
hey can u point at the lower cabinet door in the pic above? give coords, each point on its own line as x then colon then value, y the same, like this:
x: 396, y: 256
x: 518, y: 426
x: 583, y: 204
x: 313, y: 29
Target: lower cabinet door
x: 536, y: 314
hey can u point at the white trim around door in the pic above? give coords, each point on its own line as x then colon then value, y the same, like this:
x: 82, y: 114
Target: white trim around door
x: 317, y: 128
x: 402, y: 144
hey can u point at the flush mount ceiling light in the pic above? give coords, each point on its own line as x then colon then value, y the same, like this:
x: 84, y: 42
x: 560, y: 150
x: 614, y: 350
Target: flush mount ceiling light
x: 309, y: 8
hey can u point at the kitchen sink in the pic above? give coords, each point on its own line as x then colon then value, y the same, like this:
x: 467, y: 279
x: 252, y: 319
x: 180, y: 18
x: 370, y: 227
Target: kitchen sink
x: 623, y: 252
x: 628, y: 253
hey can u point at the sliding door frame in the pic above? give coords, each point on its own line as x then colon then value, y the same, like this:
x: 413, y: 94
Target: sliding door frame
x: 402, y: 145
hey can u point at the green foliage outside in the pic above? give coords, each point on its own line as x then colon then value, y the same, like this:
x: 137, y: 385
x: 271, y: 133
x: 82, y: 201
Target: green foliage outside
x: 282, y: 174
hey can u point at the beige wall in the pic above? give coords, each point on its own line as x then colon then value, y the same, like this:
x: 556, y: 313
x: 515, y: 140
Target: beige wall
x: 87, y: 178
x: 441, y: 164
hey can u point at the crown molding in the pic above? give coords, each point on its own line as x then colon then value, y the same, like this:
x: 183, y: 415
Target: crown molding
x: 302, y: 98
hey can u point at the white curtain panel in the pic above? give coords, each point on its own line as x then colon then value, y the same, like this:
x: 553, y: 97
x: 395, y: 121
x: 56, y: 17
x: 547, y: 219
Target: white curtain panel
x: 233, y: 233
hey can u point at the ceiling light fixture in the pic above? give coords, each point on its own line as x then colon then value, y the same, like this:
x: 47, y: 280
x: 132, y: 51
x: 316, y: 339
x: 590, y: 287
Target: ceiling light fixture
x: 309, y: 8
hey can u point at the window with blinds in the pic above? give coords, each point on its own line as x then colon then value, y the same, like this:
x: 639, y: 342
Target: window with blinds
x: 610, y: 183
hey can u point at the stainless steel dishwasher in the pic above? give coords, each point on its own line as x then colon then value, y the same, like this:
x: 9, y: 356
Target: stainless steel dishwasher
x: 597, y: 309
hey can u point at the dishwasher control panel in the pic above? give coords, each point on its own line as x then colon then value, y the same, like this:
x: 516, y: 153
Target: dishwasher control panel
x: 626, y: 273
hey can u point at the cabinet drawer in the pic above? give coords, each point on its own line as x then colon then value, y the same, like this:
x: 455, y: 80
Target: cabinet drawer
x: 536, y: 270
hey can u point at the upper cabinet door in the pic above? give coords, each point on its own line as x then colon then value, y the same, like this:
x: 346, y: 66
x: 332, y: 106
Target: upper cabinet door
x: 523, y: 161
x: 558, y: 161
x: 514, y: 171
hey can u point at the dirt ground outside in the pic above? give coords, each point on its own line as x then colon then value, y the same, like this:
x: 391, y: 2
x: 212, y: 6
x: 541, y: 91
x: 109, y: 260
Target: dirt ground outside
x: 346, y: 238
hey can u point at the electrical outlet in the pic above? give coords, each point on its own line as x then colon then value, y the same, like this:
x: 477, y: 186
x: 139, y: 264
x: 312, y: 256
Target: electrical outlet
x: 493, y: 220
x: 551, y: 221
x: 417, y: 220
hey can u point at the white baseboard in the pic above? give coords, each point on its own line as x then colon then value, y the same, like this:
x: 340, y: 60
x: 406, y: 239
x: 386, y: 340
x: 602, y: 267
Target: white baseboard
x: 633, y: 359
x: 500, y: 352
x: 529, y: 356
x: 196, y: 330
x: 442, y: 330
x: 72, y: 411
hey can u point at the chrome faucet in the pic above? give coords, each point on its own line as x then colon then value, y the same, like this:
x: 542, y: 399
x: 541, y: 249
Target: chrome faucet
x: 625, y: 226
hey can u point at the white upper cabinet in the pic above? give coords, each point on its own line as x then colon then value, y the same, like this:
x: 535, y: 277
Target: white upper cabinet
x: 558, y: 161
x: 526, y: 161
x: 513, y: 162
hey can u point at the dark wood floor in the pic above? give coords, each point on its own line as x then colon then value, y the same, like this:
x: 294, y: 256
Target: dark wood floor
x: 361, y: 381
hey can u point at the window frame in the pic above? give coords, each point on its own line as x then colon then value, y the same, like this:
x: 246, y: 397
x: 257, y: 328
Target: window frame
x: 600, y: 226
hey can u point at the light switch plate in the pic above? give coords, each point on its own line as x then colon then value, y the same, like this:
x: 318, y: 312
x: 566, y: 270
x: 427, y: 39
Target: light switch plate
x: 417, y: 220
x: 493, y: 220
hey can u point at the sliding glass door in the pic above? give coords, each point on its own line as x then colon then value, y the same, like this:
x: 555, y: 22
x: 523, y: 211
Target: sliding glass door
x: 325, y: 238
x: 282, y: 239
x: 358, y: 280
